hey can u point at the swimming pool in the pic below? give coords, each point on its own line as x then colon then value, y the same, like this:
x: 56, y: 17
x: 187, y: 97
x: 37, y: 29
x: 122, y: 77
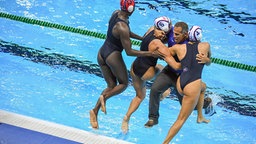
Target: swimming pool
x: 53, y: 75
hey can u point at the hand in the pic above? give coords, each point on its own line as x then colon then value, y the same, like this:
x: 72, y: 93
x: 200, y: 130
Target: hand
x: 202, y: 58
x: 157, y: 54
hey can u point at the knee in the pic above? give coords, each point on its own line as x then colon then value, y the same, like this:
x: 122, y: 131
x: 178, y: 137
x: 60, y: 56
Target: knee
x: 141, y: 97
x: 112, y: 85
x: 123, y: 85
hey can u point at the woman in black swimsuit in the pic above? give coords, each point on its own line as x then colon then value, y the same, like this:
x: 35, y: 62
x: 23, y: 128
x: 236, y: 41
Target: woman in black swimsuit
x: 110, y: 58
x: 189, y: 83
x: 146, y: 68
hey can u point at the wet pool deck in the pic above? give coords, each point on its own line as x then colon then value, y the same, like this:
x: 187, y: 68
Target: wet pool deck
x: 20, y: 129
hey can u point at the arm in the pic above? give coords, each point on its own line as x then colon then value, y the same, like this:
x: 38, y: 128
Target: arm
x: 204, y: 58
x: 200, y: 104
x: 135, y: 36
x: 171, y: 62
x: 209, y: 57
x: 167, y: 54
x: 124, y: 35
x: 175, y: 50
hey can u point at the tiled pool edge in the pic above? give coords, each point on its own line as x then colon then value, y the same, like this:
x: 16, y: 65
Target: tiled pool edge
x: 57, y: 130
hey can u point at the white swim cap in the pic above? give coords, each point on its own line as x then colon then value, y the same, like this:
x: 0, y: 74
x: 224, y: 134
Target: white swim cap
x: 163, y: 23
x: 195, y: 33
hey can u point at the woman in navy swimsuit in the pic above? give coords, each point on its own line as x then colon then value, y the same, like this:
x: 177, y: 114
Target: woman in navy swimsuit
x: 110, y: 58
x: 146, y: 68
x: 189, y: 83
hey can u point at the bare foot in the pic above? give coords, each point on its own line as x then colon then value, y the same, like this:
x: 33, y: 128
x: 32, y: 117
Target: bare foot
x: 165, y: 94
x: 125, y: 126
x: 93, y: 120
x: 202, y: 120
x: 102, y: 103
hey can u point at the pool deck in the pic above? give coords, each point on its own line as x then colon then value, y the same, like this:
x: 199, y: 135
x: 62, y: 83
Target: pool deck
x: 16, y: 128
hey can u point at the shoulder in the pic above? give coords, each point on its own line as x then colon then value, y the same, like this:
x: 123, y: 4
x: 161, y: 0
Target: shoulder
x: 113, y: 14
x: 177, y: 46
x: 122, y: 26
x: 156, y: 42
x: 123, y: 23
x: 148, y: 31
x: 204, y: 44
x: 116, y: 11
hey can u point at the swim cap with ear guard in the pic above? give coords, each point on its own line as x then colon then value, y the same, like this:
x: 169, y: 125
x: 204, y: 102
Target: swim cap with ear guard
x: 195, y: 33
x: 127, y: 5
x: 163, y: 23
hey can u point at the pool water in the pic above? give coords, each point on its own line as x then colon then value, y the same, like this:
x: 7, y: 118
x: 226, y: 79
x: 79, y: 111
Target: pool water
x: 53, y: 75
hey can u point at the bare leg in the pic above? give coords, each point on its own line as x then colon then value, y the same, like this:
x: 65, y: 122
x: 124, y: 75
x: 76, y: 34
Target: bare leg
x: 191, y: 95
x: 125, y: 124
x: 93, y: 120
x: 102, y: 103
x: 133, y: 107
x: 115, y: 74
x: 94, y: 114
x: 200, y: 117
x: 139, y: 86
x: 95, y: 110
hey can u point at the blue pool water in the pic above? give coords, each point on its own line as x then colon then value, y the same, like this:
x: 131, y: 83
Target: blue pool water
x: 53, y: 75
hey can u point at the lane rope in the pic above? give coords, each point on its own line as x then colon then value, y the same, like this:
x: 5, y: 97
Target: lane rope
x: 103, y: 36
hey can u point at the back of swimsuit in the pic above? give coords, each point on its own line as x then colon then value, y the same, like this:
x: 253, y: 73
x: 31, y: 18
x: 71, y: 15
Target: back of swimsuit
x: 142, y: 64
x: 192, y: 70
x: 112, y: 44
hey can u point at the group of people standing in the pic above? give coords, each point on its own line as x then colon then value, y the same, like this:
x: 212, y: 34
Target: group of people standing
x: 185, y: 56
